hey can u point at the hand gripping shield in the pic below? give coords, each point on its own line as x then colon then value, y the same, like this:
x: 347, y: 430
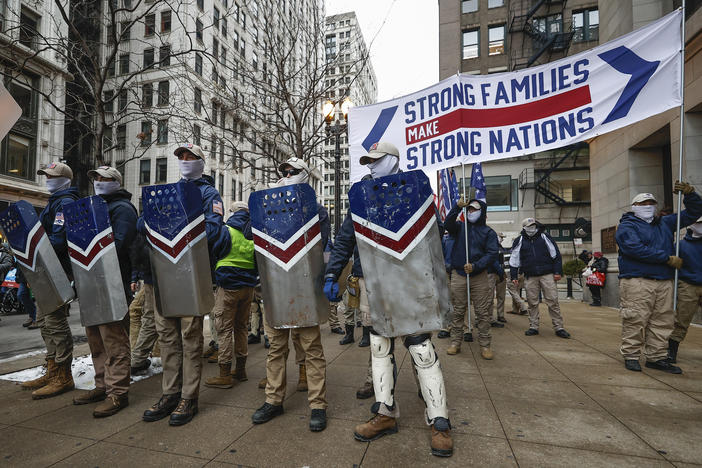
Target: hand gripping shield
x: 289, y: 255
x: 398, y: 241
x: 180, y: 259
x: 36, y: 257
x: 91, y: 245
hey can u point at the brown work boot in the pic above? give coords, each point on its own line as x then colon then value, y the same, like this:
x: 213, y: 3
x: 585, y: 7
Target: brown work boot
x: 62, y: 382
x: 44, y: 379
x: 209, y: 351
x: 376, y: 427
x: 263, y: 382
x: 91, y: 396
x: 441, y: 442
x: 453, y: 349
x: 366, y: 391
x: 214, y: 357
x: 239, y: 371
x: 224, y: 380
x: 302, y: 383
x: 112, y: 405
x: 486, y: 352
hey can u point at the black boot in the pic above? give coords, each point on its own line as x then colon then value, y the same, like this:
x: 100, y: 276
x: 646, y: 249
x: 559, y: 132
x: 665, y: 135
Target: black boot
x: 254, y: 339
x: 365, y: 340
x: 673, y: 350
x: 184, y: 413
x: 165, y: 406
x: 348, y: 338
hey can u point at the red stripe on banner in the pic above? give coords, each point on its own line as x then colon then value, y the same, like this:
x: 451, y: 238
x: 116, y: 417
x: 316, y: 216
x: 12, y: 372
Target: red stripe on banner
x: 295, y: 247
x: 175, y: 250
x: 99, y: 245
x: 29, y: 260
x: 500, y: 117
x: 397, y: 245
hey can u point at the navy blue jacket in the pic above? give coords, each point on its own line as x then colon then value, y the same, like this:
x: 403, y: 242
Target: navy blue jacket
x: 324, y: 224
x: 229, y: 277
x: 482, y: 242
x: 218, y: 239
x: 533, y: 255
x: 691, y: 253
x: 645, y: 247
x: 55, y: 226
x: 447, y: 242
x: 123, y: 218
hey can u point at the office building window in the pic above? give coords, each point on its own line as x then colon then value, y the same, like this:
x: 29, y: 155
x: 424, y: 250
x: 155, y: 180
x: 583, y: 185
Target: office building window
x: 198, y: 100
x: 145, y: 172
x: 215, y: 18
x: 469, y: 6
x: 549, y: 25
x: 201, y: 5
x: 163, y: 93
x: 471, y: 43
x: 18, y: 148
x: 164, y: 55
x: 123, y: 101
x: 215, y: 48
x: 149, y: 25
x: 162, y: 132
x: 198, y: 30
x: 109, y: 103
x: 496, y: 37
x: 148, y: 57
x: 495, y: 3
x: 586, y: 25
x: 225, y: 28
x: 123, y: 64
x: 145, y: 135
x: 254, y: 60
x: 221, y: 183
x: 499, y: 193
x: 147, y: 95
x: 125, y: 31
x: 121, y: 136
x: 161, y: 170
x: 197, y: 132
x: 243, y: 48
x: 166, y: 21
x: 198, y: 64
x: 29, y: 28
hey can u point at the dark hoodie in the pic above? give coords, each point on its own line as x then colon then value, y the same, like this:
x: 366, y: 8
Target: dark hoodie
x: 691, y: 253
x: 123, y: 218
x: 229, y: 277
x: 482, y: 242
x: 53, y: 223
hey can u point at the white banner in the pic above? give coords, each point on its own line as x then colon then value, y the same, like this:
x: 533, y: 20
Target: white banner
x: 477, y: 118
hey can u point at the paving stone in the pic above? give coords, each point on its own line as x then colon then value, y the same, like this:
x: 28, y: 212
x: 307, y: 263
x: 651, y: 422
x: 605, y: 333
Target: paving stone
x: 342, y: 400
x: 612, y: 374
x: 552, y: 392
x: 29, y: 448
x: 24, y: 408
x: 107, y: 455
x: 675, y: 439
x: 545, y: 456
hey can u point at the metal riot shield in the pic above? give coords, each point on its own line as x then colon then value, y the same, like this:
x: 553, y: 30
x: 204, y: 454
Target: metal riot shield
x: 398, y: 241
x: 96, y: 270
x: 180, y: 258
x: 289, y: 255
x: 36, y: 257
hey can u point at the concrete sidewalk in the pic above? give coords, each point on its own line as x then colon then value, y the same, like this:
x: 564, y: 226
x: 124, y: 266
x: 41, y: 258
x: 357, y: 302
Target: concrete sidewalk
x: 542, y: 401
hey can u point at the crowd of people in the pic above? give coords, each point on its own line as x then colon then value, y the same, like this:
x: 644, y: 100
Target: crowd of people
x: 478, y: 270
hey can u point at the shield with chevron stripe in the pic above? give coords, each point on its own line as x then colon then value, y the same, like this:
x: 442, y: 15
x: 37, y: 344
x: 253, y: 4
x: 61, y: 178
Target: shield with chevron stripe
x: 36, y: 257
x: 180, y: 259
x: 289, y: 255
x: 397, y: 235
x: 94, y: 262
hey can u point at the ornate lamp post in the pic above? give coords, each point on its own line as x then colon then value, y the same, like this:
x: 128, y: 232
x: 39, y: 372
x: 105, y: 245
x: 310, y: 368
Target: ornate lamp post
x: 335, y: 128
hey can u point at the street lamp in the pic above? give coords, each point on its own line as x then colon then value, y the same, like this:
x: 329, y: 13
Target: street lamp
x: 336, y: 128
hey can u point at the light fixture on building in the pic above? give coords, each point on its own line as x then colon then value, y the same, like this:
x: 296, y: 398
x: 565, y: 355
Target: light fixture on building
x: 336, y: 128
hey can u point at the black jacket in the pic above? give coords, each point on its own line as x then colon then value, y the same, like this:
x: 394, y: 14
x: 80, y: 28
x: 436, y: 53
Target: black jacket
x: 483, y: 246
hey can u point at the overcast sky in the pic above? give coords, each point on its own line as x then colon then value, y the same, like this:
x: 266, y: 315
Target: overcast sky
x: 405, y: 52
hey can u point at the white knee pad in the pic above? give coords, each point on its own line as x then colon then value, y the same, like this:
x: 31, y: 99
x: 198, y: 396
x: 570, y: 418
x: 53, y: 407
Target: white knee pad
x: 431, y: 379
x: 383, y: 365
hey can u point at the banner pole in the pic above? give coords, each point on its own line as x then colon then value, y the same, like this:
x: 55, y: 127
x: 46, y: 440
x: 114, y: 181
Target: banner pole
x: 680, y: 156
x: 465, y: 231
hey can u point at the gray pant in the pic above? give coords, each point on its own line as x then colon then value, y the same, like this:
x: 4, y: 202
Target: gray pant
x: 147, y: 333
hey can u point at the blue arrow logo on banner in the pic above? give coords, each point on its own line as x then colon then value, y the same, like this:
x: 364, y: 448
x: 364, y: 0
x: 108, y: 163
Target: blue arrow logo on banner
x: 379, y: 128
x: 627, y: 62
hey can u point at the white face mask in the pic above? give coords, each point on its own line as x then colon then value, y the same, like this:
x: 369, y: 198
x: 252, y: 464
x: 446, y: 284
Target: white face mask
x: 645, y: 212
x: 474, y: 216
x: 192, y: 170
x: 300, y: 178
x: 105, y: 188
x: 531, y: 230
x: 386, y: 165
x: 696, y: 230
x: 57, y: 183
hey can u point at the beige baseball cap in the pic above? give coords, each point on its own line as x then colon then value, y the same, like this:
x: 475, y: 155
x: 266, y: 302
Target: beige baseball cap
x: 642, y: 197
x: 238, y: 206
x: 106, y: 171
x: 528, y: 222
x: 56, y: 169
x: 295, y: 163
x: 475, y: 204
x: 378, y: 150
x: 195, y: 149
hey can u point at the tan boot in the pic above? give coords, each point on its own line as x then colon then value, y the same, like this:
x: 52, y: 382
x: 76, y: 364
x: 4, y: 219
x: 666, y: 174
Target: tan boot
x: 214, y: 357
x: 239, y: 371
x: 441, y: 442
x: 44, y: 379
x: 302, y: 383
x: 378, y: 426
x: 263, y: 382
x: 91, y: 396
x: 486, y: 353
x: 62, y: 382
x: 112, y: 405
x: 224, y: 380
x: 453, y: 349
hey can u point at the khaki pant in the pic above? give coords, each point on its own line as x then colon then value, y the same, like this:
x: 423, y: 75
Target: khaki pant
x: 231, y: 312
x: 57, y: 335
x: 312, y: 355
x: 147, y: 336
x: 136, y: 309
x: 500, y: 293
x: 518, y: 304
x: 363, y: 306
x: 181, y: 353
x: 647, y: 317
x: 547, y: 286
x: 256, y: 316
x: 689, y: 301
x: 341, y: 309
x: 481, y: 297
x: 109, y: 348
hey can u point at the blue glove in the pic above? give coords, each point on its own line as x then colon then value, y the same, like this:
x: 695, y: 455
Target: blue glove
x: 331, y: 290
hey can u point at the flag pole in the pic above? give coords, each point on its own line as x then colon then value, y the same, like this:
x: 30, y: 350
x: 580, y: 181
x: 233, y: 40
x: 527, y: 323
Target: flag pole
x: 465, y: 231
x: 680, y: 157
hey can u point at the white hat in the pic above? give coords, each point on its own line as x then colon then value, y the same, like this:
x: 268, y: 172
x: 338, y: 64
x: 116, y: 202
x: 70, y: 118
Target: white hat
x: 106, y: 171
x: 475, y: 204
x: 238, y: 206
x: 528, y: 222
x: 642, y: 197
x: 295, y: 163
x: 195, y: 149
x: 56, y: 169
x: 378, y: 150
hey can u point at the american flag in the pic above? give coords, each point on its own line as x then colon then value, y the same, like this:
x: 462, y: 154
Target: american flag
x: 478, y: 182
x: 448, y: 191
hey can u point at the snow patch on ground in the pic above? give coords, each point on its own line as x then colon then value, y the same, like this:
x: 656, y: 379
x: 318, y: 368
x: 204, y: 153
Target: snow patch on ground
x: 83, y: 372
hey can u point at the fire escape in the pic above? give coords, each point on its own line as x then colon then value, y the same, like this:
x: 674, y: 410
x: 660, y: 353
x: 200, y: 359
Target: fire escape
x: 541, y: 181
x: 533, y: 37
